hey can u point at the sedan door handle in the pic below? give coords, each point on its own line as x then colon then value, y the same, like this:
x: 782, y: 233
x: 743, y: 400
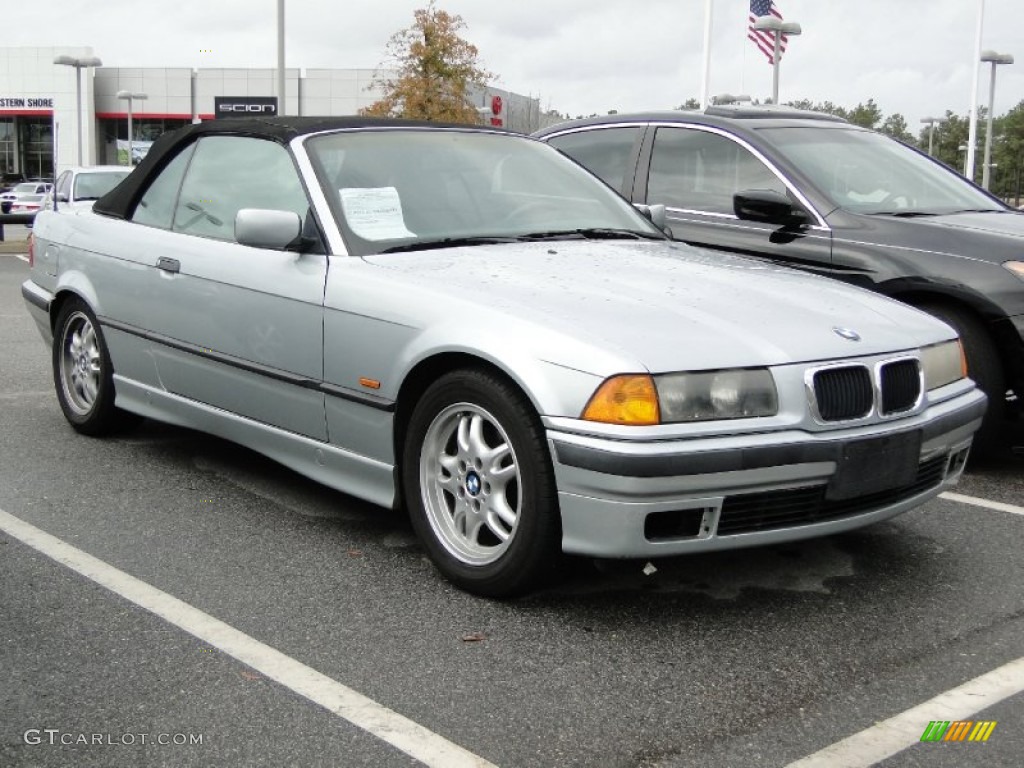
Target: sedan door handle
x: 168, y: 265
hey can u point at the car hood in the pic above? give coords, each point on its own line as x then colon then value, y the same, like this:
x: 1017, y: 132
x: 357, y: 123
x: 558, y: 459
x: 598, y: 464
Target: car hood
x: 664, y: 306
x: 993, y: 237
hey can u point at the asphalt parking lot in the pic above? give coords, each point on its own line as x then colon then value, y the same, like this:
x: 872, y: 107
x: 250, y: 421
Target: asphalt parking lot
x: 167, y: 598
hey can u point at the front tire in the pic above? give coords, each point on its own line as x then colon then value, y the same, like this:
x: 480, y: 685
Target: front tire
x: 984, y: 366
x: 82, y: 373
x: 479, y: 485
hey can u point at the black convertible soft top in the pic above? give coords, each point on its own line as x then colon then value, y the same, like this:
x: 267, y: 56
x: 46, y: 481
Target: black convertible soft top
x: 121, y: 200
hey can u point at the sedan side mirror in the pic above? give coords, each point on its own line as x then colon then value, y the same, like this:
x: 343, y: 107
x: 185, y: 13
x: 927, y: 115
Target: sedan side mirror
x: 768, y: 207
x: 656, y: 214
x: 263, y: 228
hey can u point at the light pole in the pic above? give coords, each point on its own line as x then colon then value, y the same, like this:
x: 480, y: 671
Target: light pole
x: 131, y: 96
x: 778, y: 28
x: 995, y: 59
x: 79, y: 63
x: 931, y: 122
x: 280, y: 58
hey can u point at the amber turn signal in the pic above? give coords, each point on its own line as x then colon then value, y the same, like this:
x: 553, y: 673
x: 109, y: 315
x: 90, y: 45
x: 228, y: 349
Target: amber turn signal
x: 625, y: 399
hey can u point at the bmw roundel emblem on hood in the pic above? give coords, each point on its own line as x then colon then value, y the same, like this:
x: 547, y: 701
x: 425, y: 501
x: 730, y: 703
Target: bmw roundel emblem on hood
x: 846, y: 333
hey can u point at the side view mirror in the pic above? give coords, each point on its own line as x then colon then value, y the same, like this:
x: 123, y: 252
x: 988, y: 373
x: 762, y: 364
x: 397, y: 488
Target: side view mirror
x: 62, y: 197
x: 656, y: 213
x: 264, y: 228
x: 768, y: 207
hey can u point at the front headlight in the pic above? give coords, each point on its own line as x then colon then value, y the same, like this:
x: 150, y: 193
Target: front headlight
x: 644, y: 400
x: 943, y: 364
x: 706, y: 396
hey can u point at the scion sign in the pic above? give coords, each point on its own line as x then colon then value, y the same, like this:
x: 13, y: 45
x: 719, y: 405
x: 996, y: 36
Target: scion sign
x: 240, y: 106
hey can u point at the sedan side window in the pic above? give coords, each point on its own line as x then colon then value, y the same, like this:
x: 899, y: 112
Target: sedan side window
x: 156, y: 208
x: 229, y: 173
x: 701, y: 171
x: 605, y: 152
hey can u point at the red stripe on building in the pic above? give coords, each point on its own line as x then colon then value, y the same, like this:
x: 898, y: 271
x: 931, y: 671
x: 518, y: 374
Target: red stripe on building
x: 150, y: 116
x: 26, y: 113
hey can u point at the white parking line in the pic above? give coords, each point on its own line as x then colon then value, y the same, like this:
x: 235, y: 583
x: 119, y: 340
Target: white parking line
x: 885, y: 739
x: 22, y: 257
x: 387, y: 725
x: 976, y: 502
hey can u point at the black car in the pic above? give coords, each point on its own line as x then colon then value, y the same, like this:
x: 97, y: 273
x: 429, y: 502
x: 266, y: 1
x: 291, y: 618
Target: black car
x: 814, y: 192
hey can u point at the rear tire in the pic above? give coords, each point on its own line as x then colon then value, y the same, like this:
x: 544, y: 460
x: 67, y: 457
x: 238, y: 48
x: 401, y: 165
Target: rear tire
x: 984, y: 366
x: 479, y: 486
x: 82, y: 373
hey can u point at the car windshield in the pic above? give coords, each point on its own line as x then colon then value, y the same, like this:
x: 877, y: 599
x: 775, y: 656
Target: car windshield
x: 93, y: 186
x: 868, y: 172
x: 409, y: 189
x: 28, y: 188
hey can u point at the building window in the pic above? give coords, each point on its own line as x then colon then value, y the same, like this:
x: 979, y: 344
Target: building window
x: 36, y: 139
x: 8, y: 147
x: 145, y: 131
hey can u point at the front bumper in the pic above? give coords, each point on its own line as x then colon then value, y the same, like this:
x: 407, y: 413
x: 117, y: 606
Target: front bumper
x: 654, y: 498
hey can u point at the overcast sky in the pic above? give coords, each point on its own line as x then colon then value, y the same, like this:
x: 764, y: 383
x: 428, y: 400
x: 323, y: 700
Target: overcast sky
x: 579, y: 56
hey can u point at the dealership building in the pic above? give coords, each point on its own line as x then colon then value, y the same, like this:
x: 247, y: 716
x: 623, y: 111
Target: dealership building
x: 41, y: 102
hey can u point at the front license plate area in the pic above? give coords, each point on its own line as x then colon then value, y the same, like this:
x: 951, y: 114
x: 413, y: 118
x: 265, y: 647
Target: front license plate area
x: 875, y: 465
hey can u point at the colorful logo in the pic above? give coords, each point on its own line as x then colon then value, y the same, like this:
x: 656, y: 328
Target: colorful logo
x: 958, y: 730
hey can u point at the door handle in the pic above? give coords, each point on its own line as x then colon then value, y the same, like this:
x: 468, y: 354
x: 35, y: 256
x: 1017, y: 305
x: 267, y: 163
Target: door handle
x: 168, y: 265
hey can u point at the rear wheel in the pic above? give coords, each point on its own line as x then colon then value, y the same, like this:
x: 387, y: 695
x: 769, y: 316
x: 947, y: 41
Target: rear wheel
x: 82, y: 373
x: 983, y: 365
x: 479, y: 486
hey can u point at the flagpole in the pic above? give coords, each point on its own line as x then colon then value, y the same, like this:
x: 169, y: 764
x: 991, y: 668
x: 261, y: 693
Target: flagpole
x: 707, y: 55
x: 972, y: 131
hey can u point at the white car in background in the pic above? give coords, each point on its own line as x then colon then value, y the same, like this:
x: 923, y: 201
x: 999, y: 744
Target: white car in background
x: 24, y: 197
x: 80, y: 187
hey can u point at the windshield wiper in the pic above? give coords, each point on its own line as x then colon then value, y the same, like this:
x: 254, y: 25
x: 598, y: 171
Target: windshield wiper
x: 450, y: 242
x: 917, y: 214
x: 903, y: 214
x: 593, y: 233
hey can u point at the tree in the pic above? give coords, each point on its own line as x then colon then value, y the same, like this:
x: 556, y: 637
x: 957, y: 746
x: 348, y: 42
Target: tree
x: 434, y: 71
x: 866, y: 115
x: 1008, y: 154
x: 895, y: 125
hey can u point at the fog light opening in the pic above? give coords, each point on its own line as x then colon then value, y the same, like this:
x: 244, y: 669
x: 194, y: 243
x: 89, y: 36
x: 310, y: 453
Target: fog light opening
x: 957, y: 462
x: 678, y: 524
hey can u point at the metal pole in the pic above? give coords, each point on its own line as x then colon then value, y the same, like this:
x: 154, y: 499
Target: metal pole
x: 130, y: 152
x: 931, y: 139
x: 985, y: 167
x: 775, y: 66
x: 707, y: 55
x: 281, y: 108
x: 972, y: 130
x: 78, y: 117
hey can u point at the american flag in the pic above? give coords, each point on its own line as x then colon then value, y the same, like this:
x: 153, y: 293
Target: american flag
x: 764, y: 39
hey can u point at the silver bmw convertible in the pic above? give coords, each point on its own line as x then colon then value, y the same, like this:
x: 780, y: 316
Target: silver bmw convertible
x: 466, y: 323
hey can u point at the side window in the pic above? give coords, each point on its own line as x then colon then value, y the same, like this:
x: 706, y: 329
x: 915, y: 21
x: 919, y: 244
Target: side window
x: 64, y: 185
x: 229, y: 173
x: 156, y: 208
x: 605, y: 152
x: 701, y: 171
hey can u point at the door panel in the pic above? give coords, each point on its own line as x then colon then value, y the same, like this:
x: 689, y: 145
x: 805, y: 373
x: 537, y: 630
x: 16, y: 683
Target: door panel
x: 235, y: 327
x: 695, y: 173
